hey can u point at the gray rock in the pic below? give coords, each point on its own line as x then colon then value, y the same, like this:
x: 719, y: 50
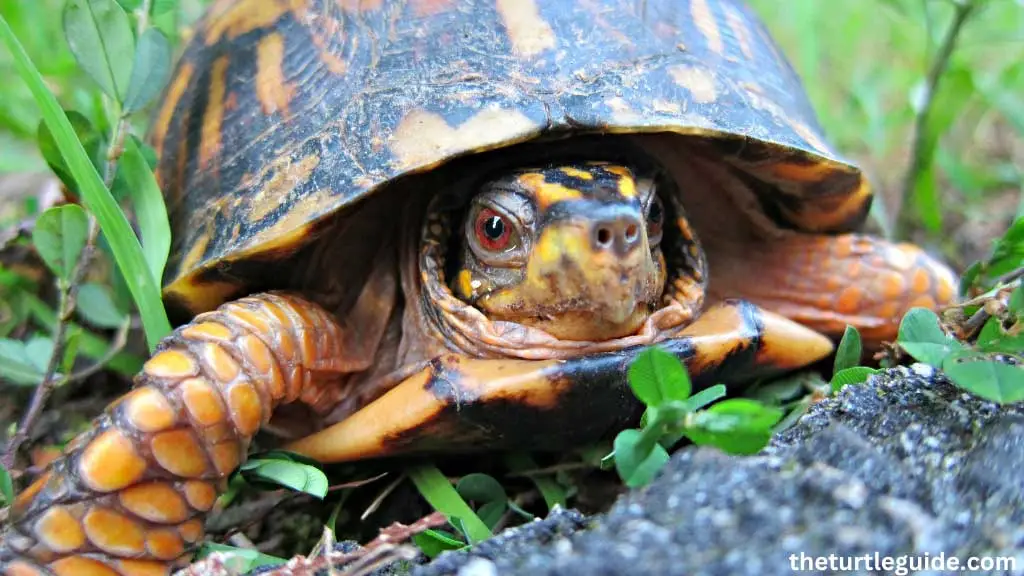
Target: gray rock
x: 906, y: 465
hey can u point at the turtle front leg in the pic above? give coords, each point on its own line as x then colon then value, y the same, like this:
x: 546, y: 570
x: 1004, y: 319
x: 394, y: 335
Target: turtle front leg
x: 464, y: 404
x: 827, y: 282
x: 129, y: 496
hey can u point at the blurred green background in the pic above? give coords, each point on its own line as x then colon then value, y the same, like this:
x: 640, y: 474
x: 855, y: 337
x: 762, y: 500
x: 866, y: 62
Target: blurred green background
x: 864, y: 63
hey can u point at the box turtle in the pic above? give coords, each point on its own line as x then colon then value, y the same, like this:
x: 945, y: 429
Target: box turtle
x: 445, y: 226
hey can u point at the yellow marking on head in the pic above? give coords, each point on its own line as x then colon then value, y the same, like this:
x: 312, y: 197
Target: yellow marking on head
x: 577, y: 173
x: 698, y: 81
x: 627, y: 187
x: 174, y: 92
x: 288, y: 175
x: 248, y: 15
x: 530, y: 34
x: 547, y: 193
x: 557, y: 241
x: 704, y: 19
x: 620, y: 171
x: 209, y: 141
x: 739, y: 30
x: 465, y: 280
x: 271, y: 89
x: 423, y: 139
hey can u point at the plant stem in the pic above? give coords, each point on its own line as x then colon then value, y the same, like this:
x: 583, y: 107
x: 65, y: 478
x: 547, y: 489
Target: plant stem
x: 66, y: 309
x: 919, y: 159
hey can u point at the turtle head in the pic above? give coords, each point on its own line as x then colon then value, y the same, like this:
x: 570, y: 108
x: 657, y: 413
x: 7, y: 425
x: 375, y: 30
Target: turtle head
x: 573, y: 249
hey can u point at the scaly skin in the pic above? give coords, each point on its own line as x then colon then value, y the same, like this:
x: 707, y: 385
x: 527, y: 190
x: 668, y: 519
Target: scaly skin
x: 128, y: 496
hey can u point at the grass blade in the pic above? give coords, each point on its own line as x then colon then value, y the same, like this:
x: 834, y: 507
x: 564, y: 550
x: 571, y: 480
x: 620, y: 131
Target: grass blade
x: 439, y: 492
x: 99, y: 201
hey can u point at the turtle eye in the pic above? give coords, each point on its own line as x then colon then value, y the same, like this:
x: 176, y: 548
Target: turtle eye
x: 493, y: 231
x: 655, y: 221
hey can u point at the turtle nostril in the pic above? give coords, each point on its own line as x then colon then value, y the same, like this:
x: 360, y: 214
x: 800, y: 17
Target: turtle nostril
x: 619, y: 234
x: 604, y: 236
x: 631, y: 232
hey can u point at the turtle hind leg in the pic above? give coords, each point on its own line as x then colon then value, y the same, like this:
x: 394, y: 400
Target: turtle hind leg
x: 827, y: 282
x: 129, y: 495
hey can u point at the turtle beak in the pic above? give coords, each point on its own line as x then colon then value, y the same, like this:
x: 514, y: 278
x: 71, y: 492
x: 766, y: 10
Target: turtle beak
x: 591, y: 276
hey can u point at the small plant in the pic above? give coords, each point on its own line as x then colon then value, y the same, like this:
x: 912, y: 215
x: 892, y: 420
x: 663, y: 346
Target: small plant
x: 660, y: 381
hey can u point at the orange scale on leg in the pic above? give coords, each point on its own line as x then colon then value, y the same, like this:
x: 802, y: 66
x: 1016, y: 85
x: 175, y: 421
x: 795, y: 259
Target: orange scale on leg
x: 164, y: 544
x: 245, y: 407
x: 110, y: 462
x: 179, y: 453
x: 202, y: 401
x: 171, y: 364
x: 224, y: 367
x: 81, y: 566
x: 148, y: 410
x: 59, y: 530
x: 114, y: 533
x: 200, y: 495
x: 155, y: 501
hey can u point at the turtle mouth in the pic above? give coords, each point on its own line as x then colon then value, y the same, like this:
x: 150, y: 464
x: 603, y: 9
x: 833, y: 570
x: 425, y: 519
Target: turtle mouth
x: 465, y: 328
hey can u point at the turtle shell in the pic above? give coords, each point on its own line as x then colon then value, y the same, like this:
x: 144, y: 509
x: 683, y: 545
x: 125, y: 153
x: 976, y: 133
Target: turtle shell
x: 281, y: 113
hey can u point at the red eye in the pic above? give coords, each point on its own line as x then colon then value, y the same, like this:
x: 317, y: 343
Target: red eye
x: 493, y: 230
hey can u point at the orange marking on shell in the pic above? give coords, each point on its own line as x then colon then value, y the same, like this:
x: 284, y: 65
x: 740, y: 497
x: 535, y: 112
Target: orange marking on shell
x: 143, y: 568
x: 81, y: 566
x: 171, y: 364
x: 164, y: 544
x: 704, y: 19
x: 247, y: 15
x: 224, y: 367
x: 19, y: 568
x: 174, y: 92
x: 191, y: 531
x: 200, y: 495
x: 148, y: 410
x: 921, y: 281
x: 225, y: 457
x: 156, y: 502
x: 890, y: 310
x: 287, y: 174
x: 422, y: 8
x: 209, y: 141
x: 529, y: 33
x: 739, y: 30
x: 207, y: 331
x: 202, y: 401
x: 698, y: 81
x: 246, y: 408
x: 110, y: 462
x: 25, y: 498
x: 178, y: 452
x: 945, y: 290
x: 113, y: 533
x: 798, y: 172
x: 272, y: 90
x: 59, y: 530
x: 849, y: 300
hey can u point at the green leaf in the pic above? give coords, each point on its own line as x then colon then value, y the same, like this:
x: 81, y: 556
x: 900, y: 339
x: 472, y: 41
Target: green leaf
x: 240, y: 560
x: 72, y: 342
x: 433, y: 542
x: 480, y: 488
x: 1016, y: 303
x: 736, y: 426
x: 124, y: 245
x: 91, y: 139
x: 636, y: 466
x: 705, y: 397
x: 986, y: 378
x: 130, y: 5
x: 6, y: 486
x: 38, y: 350
x: 150, y: 70
x: 657, y: 376
x: 922, y: 338
x: 150, y: 210
x: 491, y: 512
x: 969, y: 277
x: 15, y: 365
x: 848, y: 353
x: 553, y: 492
x: 97, y: 307
x: 160, y: 7
x: 100, y: 36
x: 295, y: 475
x: 852, y: 375
x: 59, y: 237
x: 438, y: 491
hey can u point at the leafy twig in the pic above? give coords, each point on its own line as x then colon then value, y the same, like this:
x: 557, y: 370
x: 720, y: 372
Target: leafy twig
x: 65, y: 311
x: 919, y: 151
